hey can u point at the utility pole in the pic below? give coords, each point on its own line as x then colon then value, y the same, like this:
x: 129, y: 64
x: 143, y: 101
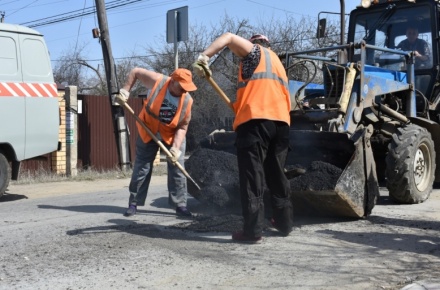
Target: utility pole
x: 119, y: 122
x: 2, y: 14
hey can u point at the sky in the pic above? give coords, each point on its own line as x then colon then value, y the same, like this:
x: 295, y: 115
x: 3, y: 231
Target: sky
x: 143, y: 23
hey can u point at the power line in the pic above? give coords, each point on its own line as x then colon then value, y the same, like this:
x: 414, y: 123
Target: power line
x: 51, y: 17
x: 76, y: 14
x: 23, y: 7
x: 9, y: 2
x: 79, y: 29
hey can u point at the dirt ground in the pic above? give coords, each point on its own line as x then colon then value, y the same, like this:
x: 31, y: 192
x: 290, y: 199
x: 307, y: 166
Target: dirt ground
x: 72, y: 235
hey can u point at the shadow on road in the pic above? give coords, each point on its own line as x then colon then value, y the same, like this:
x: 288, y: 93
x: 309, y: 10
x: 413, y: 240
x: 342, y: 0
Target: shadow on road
x: 417, y: 224
x: 385, y: 200
x: 389, y: 241
x: 12, y: 197
x: 147, y: 230
x: 101, y: 209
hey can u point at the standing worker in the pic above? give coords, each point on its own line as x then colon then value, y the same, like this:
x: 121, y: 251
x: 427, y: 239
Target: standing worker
x: 262, y: 122
x: 166, y: 112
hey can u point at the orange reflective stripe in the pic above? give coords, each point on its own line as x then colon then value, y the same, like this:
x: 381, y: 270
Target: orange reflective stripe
x: 10, y: 89
x: 6, y: 91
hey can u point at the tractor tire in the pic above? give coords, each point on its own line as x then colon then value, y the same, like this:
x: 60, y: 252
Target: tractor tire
x: 4, y: 174
x: 379, y: 145
x: 410, y: 165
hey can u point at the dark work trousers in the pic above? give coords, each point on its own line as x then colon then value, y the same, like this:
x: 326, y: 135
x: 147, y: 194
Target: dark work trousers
x: 262, y: 147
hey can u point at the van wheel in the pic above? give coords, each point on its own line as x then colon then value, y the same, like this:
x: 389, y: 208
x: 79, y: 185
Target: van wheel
x: 410, y: 165
x: 4, y: 174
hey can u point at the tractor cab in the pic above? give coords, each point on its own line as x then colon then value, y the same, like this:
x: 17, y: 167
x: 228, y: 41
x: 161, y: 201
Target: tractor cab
x: 399, y: 25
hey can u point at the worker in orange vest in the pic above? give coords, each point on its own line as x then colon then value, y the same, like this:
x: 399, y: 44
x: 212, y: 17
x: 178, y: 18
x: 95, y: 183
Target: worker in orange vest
x: 262, y: 119
x: 166, y: 112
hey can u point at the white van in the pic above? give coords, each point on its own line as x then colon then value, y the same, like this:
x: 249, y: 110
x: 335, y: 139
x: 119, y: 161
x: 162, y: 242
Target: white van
x: 29, y: 110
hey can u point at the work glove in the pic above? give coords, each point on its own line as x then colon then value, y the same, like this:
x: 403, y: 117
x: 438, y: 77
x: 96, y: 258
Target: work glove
x: 122, y: 97
x: 175, y: 154
x: 201, y: 67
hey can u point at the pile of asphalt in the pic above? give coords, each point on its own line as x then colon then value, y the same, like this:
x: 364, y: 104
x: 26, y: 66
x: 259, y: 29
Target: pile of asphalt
x: 218, y: 223
x: 216, y: 172
x: 209, y: 223
x: 318, y: 176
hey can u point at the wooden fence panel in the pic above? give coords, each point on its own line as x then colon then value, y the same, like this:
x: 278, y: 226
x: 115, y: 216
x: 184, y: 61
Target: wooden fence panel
x: 43, y: 162
x: 96, y: 138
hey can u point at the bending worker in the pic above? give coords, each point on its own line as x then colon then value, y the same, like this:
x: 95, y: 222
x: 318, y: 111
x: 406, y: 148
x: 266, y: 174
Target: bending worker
x: 262, y: 122
x: 167, y: 113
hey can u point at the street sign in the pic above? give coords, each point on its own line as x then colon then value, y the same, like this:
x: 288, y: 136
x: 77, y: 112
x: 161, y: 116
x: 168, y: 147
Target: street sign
x: 177, y: 20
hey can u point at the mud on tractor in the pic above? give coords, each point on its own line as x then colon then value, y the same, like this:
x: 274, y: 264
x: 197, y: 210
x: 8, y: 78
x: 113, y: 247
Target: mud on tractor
x: 374, y: 116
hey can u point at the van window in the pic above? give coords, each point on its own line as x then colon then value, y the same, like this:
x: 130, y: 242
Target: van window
x: 8, y: 56
x: 35, y: 58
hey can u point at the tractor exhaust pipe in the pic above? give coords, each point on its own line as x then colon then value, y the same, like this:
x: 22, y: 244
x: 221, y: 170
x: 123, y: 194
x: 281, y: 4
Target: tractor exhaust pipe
x: 342, y: 22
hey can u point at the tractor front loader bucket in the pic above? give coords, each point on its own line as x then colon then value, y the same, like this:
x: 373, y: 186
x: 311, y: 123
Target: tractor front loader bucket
x: 340, y: 174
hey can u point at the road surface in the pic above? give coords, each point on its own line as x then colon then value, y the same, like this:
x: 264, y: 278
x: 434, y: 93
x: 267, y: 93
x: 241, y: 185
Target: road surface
x: 72, y: 235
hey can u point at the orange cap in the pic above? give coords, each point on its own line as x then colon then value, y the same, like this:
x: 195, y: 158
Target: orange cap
x: 184, y: 78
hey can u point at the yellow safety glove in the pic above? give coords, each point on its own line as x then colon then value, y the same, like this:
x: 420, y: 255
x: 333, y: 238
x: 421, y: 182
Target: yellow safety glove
x: 201, y: 67
x: 122, y: 97
x: 175, y: 154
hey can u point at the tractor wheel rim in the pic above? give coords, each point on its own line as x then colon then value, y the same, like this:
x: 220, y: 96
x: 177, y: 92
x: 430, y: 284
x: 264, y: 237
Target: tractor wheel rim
x: 421, y: 167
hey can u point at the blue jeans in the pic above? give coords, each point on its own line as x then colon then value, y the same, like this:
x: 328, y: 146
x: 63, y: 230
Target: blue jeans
x: 143, y: 167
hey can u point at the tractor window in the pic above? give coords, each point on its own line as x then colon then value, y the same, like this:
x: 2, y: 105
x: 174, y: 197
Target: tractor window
x: 388, y: 28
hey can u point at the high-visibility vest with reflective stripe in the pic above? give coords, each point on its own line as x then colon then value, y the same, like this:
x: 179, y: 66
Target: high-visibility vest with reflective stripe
x: 265, y: 95
x: 151, y: 109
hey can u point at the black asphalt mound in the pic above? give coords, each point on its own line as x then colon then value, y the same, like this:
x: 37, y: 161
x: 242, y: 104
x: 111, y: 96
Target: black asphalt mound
x: 216, y: 172
x: 220, y: 223
x: 318, y: 176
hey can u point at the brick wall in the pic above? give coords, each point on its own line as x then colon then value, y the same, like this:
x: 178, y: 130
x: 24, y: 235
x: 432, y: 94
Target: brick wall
x: 59, y: 157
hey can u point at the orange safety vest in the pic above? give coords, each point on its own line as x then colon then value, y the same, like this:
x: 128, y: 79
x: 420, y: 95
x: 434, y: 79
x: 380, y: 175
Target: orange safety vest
x: 266, y: 94
x: 150, y: 113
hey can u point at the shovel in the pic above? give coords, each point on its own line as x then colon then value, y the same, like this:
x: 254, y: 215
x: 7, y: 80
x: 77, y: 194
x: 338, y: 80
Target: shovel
x: 216, y: 87
x: 158, y: 142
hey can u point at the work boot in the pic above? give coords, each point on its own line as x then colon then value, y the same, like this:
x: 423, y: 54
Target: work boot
x: 183, y: 211
x: 242, y: 238
x: 131, y: 210
x: 284, y: 231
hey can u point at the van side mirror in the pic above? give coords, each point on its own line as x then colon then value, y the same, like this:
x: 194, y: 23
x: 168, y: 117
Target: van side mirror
x: 321, y: 28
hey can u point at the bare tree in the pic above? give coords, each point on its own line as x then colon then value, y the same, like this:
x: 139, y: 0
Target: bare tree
x: 73, y: 69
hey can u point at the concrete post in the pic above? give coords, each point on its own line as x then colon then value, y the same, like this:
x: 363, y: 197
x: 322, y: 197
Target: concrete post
x: 71, y: 131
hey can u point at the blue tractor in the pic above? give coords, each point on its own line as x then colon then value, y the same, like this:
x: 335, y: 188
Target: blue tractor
x: 375, y: 112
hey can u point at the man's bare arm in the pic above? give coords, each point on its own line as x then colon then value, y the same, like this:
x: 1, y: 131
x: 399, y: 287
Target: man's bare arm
x: 180, y: 134
x: 148, y: 78
x: 237, y: 44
